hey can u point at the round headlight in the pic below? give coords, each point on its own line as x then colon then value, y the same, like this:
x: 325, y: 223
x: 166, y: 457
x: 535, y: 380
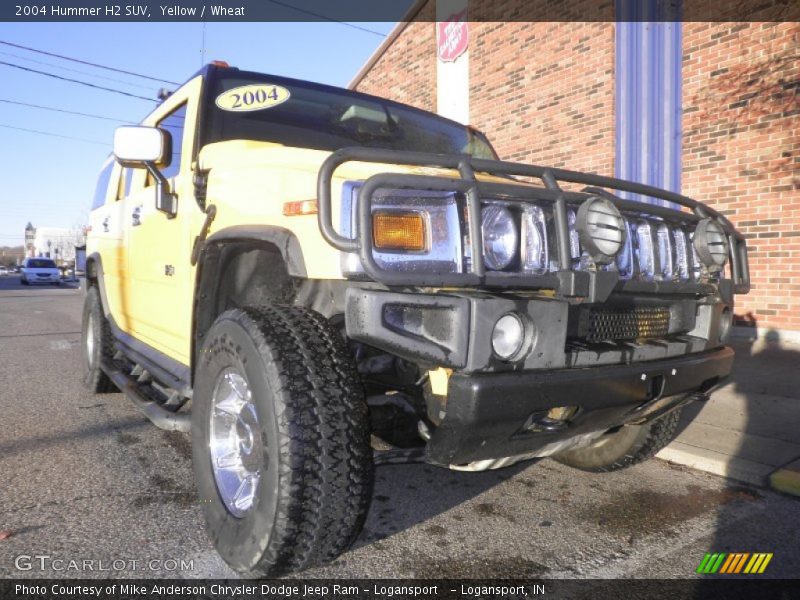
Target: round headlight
x: 601, y: 229
x: 500, y: 237
x: 508, y: 336
x: 711, y: 244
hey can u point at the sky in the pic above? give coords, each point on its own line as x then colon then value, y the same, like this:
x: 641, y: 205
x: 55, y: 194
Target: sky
x: 49, y: 180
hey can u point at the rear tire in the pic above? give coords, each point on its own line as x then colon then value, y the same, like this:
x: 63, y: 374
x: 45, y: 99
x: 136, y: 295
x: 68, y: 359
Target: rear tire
x: 625, y: 447
x: 98, y: 344
x: 313, y: 471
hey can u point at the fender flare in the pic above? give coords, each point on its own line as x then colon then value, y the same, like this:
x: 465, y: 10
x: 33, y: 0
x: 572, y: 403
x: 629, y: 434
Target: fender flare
x: 96, y: 260
x: 283, y: 239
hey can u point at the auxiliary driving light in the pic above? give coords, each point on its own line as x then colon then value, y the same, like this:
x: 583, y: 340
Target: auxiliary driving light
x: 508, y: 337
x: 711, y: 244
x: 601, y: 229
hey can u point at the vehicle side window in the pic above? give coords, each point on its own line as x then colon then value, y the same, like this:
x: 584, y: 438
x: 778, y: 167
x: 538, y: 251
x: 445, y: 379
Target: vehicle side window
x: 174, y: 122
x: 102, y: 186
x: 124, y: 187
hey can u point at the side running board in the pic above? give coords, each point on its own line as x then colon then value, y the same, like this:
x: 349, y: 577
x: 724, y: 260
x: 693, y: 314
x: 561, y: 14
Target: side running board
x: 160, y: 417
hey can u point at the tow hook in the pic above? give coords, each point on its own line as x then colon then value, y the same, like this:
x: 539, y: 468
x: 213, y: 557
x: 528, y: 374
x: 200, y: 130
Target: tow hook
x: 699, y: 397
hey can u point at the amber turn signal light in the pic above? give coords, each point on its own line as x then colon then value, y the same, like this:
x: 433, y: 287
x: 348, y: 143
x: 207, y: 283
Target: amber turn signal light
x: 300, y: 207
x: 398, y: 231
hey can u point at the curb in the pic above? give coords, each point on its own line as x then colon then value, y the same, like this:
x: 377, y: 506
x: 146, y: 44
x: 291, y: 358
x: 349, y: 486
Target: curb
x: 716, y: 463
x: 787, y: 479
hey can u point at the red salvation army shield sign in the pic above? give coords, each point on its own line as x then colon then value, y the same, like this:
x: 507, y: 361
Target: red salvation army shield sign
x: 452, y: 36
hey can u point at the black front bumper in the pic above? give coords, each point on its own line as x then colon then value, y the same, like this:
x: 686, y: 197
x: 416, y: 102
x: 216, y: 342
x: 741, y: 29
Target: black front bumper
x: 486, y: 414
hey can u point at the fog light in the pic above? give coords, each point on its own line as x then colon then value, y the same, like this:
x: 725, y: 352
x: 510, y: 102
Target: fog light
x: 601, y: 229
x: 508, y: 337
x: 711, y: 244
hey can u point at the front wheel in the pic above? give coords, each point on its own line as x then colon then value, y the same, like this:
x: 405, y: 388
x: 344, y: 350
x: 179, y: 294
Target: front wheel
x: 280, y: 440
x: 624, y: 447
x: 98, y: 344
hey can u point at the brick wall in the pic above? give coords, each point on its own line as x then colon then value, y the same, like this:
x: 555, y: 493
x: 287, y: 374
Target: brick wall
x: 406, y: 72
x: 741, y: 151
x: 544, y: 93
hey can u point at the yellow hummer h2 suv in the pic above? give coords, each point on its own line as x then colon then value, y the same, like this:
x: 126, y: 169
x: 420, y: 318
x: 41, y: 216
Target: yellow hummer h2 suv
x: 331, y: 280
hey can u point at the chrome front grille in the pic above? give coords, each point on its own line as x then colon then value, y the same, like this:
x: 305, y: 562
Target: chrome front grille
x: 654, y: 250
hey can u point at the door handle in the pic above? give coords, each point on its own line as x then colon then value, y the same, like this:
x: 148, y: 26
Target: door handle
x: 136, y: 216
x: 105, y: 224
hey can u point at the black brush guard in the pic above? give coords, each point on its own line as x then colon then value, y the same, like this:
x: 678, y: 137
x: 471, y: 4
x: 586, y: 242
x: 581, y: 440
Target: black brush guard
x: 566, y: 281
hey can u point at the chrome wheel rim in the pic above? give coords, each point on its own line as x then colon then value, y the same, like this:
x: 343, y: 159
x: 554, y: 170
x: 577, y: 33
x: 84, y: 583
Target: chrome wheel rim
x: 235, y: 442
x: 90, y: 340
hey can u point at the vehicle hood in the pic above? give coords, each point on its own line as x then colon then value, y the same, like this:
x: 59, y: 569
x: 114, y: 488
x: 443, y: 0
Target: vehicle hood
x: 244, y: 154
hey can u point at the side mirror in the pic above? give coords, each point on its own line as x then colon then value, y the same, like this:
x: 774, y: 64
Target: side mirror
x: 140, y: 147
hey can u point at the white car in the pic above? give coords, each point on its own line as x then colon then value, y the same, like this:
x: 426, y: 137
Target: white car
x: 3, y: 270
x: 39, y: 270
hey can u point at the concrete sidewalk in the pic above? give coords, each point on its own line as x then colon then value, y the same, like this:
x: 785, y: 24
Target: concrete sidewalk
x: 750, y: 429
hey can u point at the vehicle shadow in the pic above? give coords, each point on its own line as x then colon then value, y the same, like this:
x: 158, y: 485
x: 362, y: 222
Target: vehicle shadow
x: 762, y: 400
x: 406, y: 495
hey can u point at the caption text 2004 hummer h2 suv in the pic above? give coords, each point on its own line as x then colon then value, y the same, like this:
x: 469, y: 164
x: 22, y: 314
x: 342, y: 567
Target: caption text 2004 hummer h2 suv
x: 336, y: 280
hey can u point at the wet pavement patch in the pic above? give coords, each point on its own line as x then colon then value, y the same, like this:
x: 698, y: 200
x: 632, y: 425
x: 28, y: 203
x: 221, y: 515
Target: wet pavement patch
x: 485, y: 510
x: 126, y: 439
x: 436, y: 530
x: 647, y: 511
x: 168, y: 492
x: 180, y: 442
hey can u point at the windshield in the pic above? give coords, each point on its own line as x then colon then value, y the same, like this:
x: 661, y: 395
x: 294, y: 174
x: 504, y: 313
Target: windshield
x: 41, y: 263
x: 325, y: 118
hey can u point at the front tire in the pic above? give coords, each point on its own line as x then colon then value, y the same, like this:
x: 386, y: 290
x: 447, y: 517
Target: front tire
x: 98, y: 344
x: 280, y: 439
x: 625, y: 447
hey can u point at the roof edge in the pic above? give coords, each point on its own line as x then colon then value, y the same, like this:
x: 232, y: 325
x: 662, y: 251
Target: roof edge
x: 412, y: 12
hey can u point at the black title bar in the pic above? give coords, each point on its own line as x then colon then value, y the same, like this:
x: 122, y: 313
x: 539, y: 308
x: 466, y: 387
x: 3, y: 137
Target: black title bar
x: 394, y: 10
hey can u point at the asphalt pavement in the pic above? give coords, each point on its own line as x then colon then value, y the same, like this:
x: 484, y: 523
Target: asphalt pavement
x: 88, y: 488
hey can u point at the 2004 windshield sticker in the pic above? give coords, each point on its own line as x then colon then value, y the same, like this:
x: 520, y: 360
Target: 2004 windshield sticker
x: 247, y: 98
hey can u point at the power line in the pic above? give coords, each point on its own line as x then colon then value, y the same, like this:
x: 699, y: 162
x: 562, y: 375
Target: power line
x: 58, y: 135
x: 49, y: 64
x: 86, y: 62
x: 62, y: 110
x: 86, y: 83
x: 326, y: 18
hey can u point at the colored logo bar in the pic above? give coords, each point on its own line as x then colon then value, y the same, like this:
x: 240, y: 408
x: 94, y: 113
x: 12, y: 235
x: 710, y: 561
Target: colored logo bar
x: 734, y: 563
